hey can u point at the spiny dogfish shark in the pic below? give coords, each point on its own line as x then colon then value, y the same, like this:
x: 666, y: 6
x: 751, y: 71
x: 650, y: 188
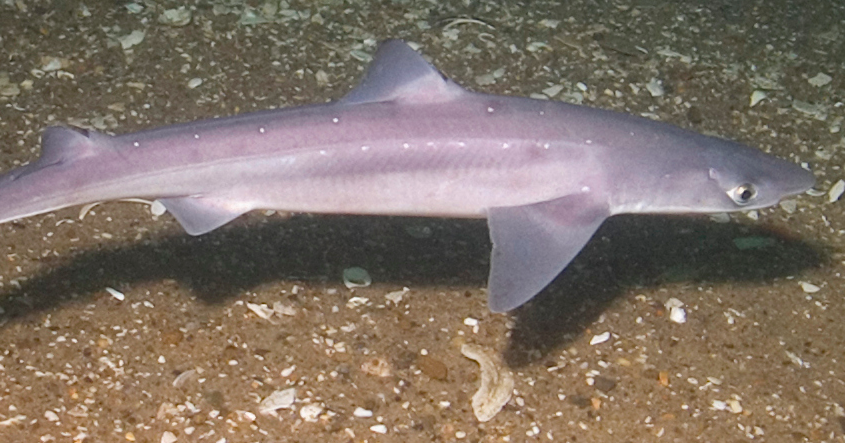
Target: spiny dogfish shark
x: 409, y: 141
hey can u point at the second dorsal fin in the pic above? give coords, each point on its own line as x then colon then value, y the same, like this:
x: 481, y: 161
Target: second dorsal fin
x: 398, y: 73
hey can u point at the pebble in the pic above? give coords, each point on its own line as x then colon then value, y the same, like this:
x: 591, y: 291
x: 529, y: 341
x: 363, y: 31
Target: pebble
x: 433, y: 367
x: 379, y: 429
x: 362, y: 413
x: 194, y: 82
x: 604, y: 384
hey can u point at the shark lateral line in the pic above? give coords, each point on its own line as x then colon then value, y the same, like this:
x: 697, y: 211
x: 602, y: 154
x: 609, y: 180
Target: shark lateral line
x: 409, y: 141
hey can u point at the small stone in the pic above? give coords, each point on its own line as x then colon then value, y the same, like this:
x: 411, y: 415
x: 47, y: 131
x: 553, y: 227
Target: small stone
x: 172, y: 337
x: 604, y: 384
x: 695, y: 116
x: 362, y: 413
x: 433, y: 367
x: 579, y: 401
x: 168, y: 437
x: 379, y: 429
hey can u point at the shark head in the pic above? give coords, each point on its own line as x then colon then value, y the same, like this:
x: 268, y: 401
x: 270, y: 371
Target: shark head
x: 751, y: 179
x: 703, y: 174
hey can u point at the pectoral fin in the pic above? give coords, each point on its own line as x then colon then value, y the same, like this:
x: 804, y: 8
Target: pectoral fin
x: 201, y: 214
x: 533, y: 243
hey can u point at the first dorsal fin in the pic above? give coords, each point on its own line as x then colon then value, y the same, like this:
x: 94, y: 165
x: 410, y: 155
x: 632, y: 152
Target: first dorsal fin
x: 398, y: 73
x: 60, y: 144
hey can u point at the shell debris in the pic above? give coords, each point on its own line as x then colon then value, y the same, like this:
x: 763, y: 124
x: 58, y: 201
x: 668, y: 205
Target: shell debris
x: 116, y: 294
x: 600, y: 338
x: 395, y: 297
x: 175, y: 17
x: 496, y: 383
x: 836, y: 191
x: 820, y: 79
x: 134, y: 38
x: 676, y: 310
x: 356, y: 277
x: 283, y: 399
x: 311, y: 412
x: 809, y: 288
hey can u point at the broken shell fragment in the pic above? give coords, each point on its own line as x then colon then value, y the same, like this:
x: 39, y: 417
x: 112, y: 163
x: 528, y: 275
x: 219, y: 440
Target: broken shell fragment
x: 756, y: 97
x: 496, y: 384
x: 356, y: 277
x: 175, y: 17
x: 278, y: 400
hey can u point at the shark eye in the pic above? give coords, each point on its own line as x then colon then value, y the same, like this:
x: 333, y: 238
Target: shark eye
x: 743, y: 194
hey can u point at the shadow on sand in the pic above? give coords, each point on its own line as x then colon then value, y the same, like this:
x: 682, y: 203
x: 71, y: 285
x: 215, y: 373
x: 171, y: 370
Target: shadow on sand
x: 627, y: 252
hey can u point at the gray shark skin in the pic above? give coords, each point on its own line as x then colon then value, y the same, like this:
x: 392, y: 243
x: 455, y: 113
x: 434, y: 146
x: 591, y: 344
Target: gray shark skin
x: 408, y: 141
